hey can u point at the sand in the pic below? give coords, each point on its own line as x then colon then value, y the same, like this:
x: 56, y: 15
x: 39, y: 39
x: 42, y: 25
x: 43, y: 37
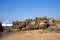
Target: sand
x: 31, y: 35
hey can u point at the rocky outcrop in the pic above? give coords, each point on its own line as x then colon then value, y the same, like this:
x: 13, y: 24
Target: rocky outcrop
x: 37, y: 23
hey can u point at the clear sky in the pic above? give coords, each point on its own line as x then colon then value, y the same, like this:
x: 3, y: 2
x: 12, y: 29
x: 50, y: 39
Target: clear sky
x: 22, y: 9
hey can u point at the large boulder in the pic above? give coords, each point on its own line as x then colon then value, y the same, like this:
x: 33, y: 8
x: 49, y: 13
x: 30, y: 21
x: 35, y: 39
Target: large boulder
x: 31, y: 26
x: 42, y: 25
x: 22, y: 25
x: 52, y: 22
x: 18, y: 25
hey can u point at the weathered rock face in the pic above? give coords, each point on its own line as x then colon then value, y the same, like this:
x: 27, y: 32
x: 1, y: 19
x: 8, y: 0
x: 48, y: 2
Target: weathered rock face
x: 15, y: 24
x: 42, y: 22
x: 52, y: 22
x: 30, y: 25
x: 42, y: 25
x: 19, y: 25
x: 37, y: 23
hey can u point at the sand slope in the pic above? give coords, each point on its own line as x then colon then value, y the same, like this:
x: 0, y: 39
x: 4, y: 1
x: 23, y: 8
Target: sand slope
x: 31, y: 35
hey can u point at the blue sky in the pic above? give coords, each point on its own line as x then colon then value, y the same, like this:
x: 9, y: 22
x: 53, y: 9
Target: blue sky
x: 21, y: 9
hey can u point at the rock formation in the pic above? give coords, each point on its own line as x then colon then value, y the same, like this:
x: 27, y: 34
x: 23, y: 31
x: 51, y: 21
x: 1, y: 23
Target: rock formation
x: 37, y: 23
